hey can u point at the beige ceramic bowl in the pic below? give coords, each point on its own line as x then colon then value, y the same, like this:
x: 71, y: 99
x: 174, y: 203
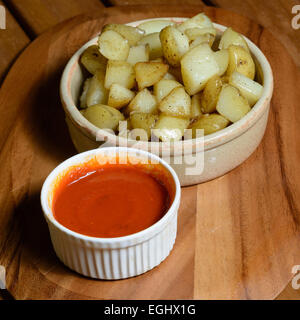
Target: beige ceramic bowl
x: 215, y: 155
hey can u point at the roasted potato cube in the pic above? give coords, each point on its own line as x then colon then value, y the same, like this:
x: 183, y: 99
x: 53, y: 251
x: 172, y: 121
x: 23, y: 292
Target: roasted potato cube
x: 144, y: 102
x: 210, y: 94
x: 154, y: 45
x: 120, y: 72
x: 197, y: 67
x: 160, y: 59
x: 198, y: 21
x: 210, y: 123
x: 155, y: 26
x: 177, y: 103
x: 250, y: 89
x: 145, y: 121
x: 131, y: 34
x: 163, y: 87
x: 93, y: 60
x: 169, y: 128
x: 182, y: 75
x: 231, y: 37
x: 124, y: 127
x: 119, y: 96
x: 231, y: 104
x: 113, y: 46
x: 103, y: 116
x: 86, y: 86
x: 169, y: 76
x: 205, y: 38
x: 174, y: 44
x: 222, y: 59
x: 138, y: 53
x: 196, y: 106
x: 96, y: 92
x: 206, y: 33
x: 240, y: 60
x: 148, y: 73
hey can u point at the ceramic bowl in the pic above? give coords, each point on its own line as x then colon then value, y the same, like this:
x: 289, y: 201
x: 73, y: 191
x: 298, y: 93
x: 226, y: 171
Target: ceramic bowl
x: 111, y: 258
x: 211, y: 157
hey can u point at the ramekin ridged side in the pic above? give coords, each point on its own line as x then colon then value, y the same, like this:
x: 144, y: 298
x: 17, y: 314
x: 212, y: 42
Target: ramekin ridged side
x: 112, y: 258
x: 92, y: 260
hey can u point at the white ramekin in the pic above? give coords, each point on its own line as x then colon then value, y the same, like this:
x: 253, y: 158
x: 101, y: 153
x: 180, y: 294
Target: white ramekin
x: 220, y: 152
x: 111, y: 258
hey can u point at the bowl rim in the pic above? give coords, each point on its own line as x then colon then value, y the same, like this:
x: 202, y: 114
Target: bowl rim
x: 128, y: 240
x: 210, y: 141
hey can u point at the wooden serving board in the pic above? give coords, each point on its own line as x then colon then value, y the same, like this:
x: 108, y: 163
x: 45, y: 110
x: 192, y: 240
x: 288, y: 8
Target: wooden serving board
x: 238, y: 235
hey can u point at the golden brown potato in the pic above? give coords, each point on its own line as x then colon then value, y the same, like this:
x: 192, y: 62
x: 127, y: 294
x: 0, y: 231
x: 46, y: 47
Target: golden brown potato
x: 96, y: 92
x: 196, y: 106
x: 231, y: 104
x: 113, y: 46
x: 93, y: 60
x: 103, y: 116
x: 210, y: 94
x: 198, y: 21
x: 124, y: 128
x: 154, y: 44
x: 139, y: 53
x: 120, y: 72
x: 169, y: 76
x: 119, y: 96
x: 177, y: 103
x: 201, y: 35
x: 210, y: 123
x: 240, y: 60
x: 174, y: 44
x: 160, y: 59
x: 197, y: 67
x: 163, y: 87
x: 250, y: 89
x: 169, y: 128
x: 145, y: 121
x: 148, y: 73
x: 231, y: 37
x: 155, y: 25
x: 131, y: 34
x: 222, y: 59
x: 144, y: 102
x: 194, y: 33
x: 205, y: 38
x: 86, y: 86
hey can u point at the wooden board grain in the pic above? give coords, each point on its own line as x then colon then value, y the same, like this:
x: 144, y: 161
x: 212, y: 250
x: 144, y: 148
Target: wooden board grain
x: 156, y: 2
x: 289, y: 293
x: 237, y: 236
x: 259, y: 199
x: 12, y: 41
x: 274, y: 15
x: 39, y: 15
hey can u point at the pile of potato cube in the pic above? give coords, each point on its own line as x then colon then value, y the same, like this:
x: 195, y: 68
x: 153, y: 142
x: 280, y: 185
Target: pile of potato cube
x: 170, y: 77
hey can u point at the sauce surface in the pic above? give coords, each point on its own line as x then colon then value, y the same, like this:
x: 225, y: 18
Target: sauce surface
x: 111, y: 200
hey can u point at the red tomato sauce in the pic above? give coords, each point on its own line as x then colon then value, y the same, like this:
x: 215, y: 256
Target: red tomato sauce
x: 112, y: 200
